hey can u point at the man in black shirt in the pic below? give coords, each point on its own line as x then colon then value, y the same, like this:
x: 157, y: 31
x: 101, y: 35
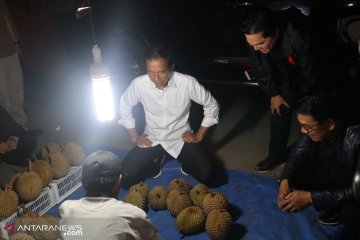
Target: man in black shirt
x: 287, y: 64
x: 323, y: 162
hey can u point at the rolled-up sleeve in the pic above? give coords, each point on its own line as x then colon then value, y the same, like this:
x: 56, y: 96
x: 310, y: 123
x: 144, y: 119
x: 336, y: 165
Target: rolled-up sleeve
x: 203, y: 97
x: 127, y: 101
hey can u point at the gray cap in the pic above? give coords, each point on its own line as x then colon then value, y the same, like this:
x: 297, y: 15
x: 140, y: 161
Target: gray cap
x: 100, y: 166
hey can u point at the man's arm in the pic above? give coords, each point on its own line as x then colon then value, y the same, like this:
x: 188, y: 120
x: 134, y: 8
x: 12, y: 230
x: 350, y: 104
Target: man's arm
x: 262, y: 73
x: 211, y: 109
x: 127, y: 101
x: 300, y: 154
x: 190, y: 137
x: 294, y: 201
x: 141, y: 141
x: 203, y: 97
x: 10, y: 25
x: 323, y: 200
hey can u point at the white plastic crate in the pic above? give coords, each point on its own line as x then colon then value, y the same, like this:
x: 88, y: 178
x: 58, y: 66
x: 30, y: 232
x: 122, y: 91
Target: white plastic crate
x: 63, y: 187
x: 7, y: 225
x: 41, y: 205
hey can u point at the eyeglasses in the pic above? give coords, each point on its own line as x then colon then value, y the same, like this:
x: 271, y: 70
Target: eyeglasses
x: 309, y: 129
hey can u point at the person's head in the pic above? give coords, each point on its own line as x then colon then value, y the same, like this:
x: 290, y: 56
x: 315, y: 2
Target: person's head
x: 159, y: 65
x: 101, y: 174
x: 319, y: 116
x: 261, y: 29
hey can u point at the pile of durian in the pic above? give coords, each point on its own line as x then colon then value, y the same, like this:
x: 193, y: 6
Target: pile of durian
x: 26, y: 186
x: 196, y: 209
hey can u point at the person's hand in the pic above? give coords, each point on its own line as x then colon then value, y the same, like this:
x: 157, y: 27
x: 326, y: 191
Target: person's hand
x: 275, y: 104
x: 296, y: 201
x: 4, y: 147
x: 190, y: 137
x: 143, y: 141
x: 284, y: 190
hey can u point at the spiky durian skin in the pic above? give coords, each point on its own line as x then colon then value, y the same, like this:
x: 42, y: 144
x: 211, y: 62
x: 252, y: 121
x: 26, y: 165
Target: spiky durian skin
x: 74, y: 154
x: 157, y: 198
x: 9, y: 200
x: 43, y: 169
x: 218, y: 224
x: 179, y: 183
x: 50, y: 148
x: 136, y: 199
x: 176, y: 201
x: 214, y: 200
x: 140, y: 187
x: 190, y: 220
x: 198, y: 192
x: 60, y: 167
x: 28, y: 219
x: 28, y: 186
x: 21, y: 236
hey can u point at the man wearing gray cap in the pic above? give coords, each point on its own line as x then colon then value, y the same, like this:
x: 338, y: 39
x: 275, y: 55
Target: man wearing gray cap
x: 100, y: 215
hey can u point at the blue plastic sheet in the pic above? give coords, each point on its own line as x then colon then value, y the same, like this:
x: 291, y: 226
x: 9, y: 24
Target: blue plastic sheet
x: 252, y: 203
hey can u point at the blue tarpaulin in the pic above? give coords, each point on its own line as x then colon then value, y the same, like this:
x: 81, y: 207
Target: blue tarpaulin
x: 252, y: 203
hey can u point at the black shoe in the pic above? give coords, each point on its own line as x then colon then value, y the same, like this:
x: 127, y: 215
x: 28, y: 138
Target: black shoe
x: 35, y: 132
x: 158, y: 162
x: 267, y: 165
x: 329, y: 218
x: 183, y: 172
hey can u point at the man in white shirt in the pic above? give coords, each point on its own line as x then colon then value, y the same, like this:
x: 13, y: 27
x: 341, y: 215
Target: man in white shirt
x: 166, y: 97
x: 100, y: 215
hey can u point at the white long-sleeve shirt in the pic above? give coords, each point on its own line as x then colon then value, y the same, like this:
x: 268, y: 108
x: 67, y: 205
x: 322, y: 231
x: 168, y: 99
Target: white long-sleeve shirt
x: 167, y: 110
x: 104, y: 218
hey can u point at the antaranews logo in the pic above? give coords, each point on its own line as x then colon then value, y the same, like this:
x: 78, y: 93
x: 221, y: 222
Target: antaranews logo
x: 66, y: 230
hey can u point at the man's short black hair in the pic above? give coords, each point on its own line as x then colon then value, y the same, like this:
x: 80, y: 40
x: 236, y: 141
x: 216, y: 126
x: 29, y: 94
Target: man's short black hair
x: 100, y: 172
x: 160, y: 51
x: 259, y: 20
x: 321, y: 107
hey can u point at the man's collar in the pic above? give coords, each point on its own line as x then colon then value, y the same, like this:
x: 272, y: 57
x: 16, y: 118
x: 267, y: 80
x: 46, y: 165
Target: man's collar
x: 171, y: 82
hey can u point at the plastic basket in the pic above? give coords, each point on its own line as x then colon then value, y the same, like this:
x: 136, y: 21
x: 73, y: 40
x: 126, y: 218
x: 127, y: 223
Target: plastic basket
x: 41, y: 205
x: 7, y: 224
x: 63, y: 187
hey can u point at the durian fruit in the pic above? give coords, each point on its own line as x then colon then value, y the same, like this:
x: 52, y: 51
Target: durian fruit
x: 157, y: 198
x: 27, y: 219
x: 51, y: 222
x: 177, y: 200
x: 60, y: 167
x: 198, y: 192
x: 74, y: 153
x: 179, y: 183
x: 136, y: 199
x: 21, y: 236
x: 50, y: 148
x: 214, y: 200
x: 9, y: 200
x: 43, y: 169
x: 190, y: 220
x: 28, y: 185
x: 218, y: 224
x: 141, y: 188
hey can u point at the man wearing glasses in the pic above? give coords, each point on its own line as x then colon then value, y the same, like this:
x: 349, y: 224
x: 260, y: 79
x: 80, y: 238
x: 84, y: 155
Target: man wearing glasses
x: 322, y: 164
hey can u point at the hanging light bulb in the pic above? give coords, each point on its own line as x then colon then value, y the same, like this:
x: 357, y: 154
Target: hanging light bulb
x: 101, y: 87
